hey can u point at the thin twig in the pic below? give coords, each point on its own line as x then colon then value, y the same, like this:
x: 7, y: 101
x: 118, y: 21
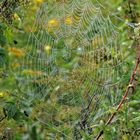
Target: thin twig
x: 2, y: 119
x: 132, y: 79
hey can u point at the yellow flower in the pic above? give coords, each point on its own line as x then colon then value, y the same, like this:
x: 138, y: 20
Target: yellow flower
x: 68, y: 20
x: 47, y: 49
x: 16, y: 52
x: 15, y: 16
x: 1, y: 94
x: 39, y: 1
x: 53, y: 23
x: 32, y: 72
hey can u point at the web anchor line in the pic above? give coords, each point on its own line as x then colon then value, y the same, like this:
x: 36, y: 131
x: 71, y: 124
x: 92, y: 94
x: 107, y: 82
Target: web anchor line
x: 130, y: 86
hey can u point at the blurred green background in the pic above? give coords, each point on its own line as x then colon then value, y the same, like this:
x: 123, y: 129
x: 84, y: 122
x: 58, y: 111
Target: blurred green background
x: 18, y: 109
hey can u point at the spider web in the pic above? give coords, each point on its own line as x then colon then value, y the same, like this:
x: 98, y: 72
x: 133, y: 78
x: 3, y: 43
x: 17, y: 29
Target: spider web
x: 75, y: 64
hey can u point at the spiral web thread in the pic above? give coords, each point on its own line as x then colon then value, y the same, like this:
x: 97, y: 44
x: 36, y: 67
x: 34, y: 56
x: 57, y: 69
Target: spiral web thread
x: 74, y: 64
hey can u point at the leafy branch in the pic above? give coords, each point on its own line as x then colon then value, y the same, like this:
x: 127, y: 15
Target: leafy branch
x: 129, y: 87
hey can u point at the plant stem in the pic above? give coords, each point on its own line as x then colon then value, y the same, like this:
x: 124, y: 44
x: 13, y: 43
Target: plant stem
x: 130, y: 86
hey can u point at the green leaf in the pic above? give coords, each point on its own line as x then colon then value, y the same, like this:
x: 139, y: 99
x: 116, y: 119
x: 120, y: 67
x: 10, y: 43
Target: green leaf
x: 136, y: 119
x: 2, y: 51
x: 11, y: 110
x: 3, y: 40
x: 2, y: 26
x: 34, y: 133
